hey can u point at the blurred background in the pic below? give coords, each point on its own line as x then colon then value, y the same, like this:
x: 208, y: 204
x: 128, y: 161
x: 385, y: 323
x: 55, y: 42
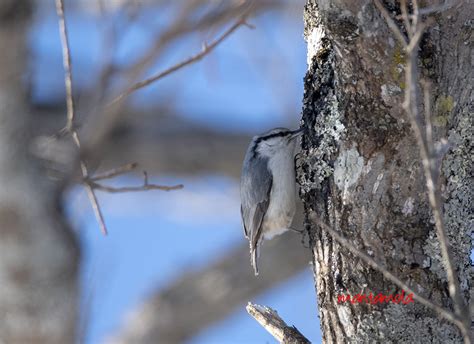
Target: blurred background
x: 176, y: 263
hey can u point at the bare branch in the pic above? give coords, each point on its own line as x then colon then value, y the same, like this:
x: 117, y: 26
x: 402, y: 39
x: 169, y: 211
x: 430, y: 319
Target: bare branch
x: 97, y: 210
x: 146, y: 138
x: 70, y: 127
x: 145, y: 187
x: 66, y: 64
x: 432, y: 9
x: 115, y: 172
x: 214, y: 17
x: 444, y: 313
x: 275, y: 325
x: 391, y: 24
x: 416, y: 17
x: 427, y: 104
x: 405, y: 17
x: 415, y: 39
x: 197, y: 57
x: 186, y: 22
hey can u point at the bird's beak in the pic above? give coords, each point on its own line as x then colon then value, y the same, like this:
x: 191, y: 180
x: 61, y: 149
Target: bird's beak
x: 296, y: 133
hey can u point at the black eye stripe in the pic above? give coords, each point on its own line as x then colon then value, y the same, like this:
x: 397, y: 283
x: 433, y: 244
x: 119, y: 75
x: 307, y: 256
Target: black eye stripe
x: 270, y: 136
x: 280, y: 134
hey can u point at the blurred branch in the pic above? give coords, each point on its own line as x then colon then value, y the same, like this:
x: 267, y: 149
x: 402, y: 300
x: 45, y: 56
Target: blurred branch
x: 275, y: 325
x: 70, y: 126
x: 195, y: 150
x: 115, y: 172
x: 145, y: 187
x: 67, y: 64
x: 391, y: 23
x: 195, y: 58
x: 187, y: 21
x: 191, y: 17
x: 199, y: 298
x: 145, y: 138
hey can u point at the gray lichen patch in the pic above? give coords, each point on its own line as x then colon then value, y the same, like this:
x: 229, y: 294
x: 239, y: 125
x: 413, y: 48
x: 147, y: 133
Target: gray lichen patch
x: 388, y: 92
x: 408, y: 206
x: 400, y: 323
x: 458, y: 170
x: 326, y: 129
x: 330, y: 129
x: 347, y: 170
x: 458, y: 207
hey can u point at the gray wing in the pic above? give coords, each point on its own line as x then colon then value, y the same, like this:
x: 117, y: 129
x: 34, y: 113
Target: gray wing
x: 255, y: 188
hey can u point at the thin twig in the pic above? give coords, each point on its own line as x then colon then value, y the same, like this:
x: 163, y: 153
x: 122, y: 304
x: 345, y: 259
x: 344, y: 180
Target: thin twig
x: 97, y: 210
x: 406, y: 20
x: 275, y: 325
x: 145, y: 187
x: 416, y: 15
x: 185, y: 22
x: 444, y: 313
x: 415, y: 39
x: 431, y: 10
x: 427, y: 106
x: 115, y: 172
x: 206, y: 50
x: 70, y: 126
x: 391, y: 24
x: 66, y: 64
x: 148, y: 187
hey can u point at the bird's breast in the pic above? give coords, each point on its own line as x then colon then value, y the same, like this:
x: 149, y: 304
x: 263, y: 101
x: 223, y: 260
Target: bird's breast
x: 281, y: 208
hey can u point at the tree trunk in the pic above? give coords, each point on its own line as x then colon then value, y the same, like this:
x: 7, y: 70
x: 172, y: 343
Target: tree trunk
x: 361, y: 172
x: 38, y: 254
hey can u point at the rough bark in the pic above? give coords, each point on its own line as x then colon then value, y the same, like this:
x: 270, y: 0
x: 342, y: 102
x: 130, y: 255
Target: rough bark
x: 361, y: 172
x: 38, y: 254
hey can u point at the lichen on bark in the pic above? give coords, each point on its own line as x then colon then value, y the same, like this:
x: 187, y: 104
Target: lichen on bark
x: 360, y: 170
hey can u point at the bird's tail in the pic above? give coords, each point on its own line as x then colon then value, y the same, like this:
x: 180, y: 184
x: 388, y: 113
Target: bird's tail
x: 254, y: 253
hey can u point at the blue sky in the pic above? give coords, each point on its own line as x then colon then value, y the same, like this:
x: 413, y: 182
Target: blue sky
x: 252, y: 82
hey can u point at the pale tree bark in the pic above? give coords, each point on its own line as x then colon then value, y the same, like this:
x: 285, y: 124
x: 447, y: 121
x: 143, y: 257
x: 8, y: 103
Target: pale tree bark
x: 38, y: 253
x: 360, y: 169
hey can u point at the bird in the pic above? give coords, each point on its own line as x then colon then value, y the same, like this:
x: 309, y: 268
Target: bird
x: 268, y: 187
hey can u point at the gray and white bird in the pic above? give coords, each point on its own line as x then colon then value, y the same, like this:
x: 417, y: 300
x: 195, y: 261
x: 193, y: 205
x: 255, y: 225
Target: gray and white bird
x: 268, y: 187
